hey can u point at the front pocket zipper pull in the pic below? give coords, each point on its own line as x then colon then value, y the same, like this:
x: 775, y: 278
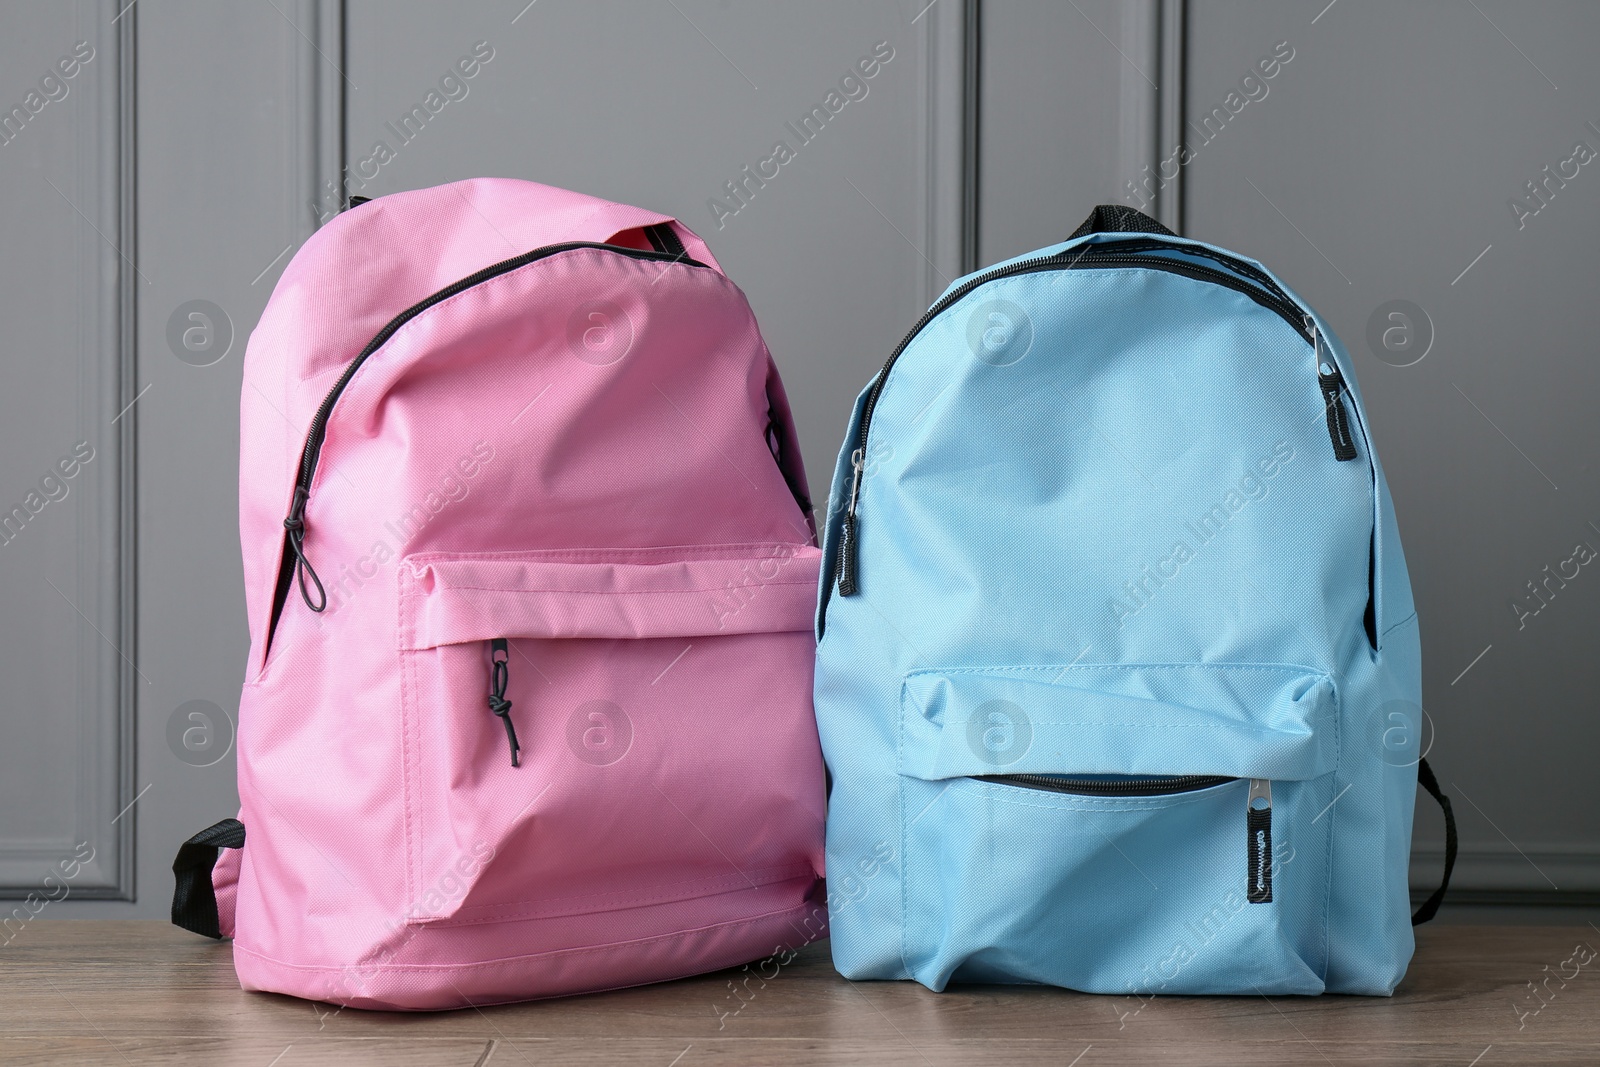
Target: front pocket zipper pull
x: 1331, y: 382
x: 296, y: 525
x: 1258, y: 865
x: 499, y: 652
x: 847, y: 531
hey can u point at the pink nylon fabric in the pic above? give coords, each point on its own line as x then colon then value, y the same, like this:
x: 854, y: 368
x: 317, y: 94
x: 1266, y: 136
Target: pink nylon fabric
x: 606, y: 494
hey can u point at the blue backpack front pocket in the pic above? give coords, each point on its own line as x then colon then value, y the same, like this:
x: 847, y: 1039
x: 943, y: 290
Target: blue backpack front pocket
x: 1154, y: 828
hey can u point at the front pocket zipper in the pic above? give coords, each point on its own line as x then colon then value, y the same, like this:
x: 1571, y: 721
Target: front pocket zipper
x: 1258, y: 810
x: 1115, y: 787
x: 499, y: 676
x: 641, y: 705
x: 294, y: 566
x: 1141, y: 253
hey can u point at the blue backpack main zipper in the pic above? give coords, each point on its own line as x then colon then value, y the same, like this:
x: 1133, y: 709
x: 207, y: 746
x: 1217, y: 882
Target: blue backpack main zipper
x: 1136, y: 253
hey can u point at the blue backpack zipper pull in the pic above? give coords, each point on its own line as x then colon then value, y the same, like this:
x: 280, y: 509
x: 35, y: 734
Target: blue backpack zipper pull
x: 1258, y: 865
x: 847, y: 531
x: 1331, y: 382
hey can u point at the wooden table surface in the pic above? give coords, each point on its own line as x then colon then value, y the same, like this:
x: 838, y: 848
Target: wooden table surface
x: 135, y: 993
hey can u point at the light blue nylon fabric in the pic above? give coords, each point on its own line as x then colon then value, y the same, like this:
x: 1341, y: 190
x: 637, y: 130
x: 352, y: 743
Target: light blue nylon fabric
x: 1105, y: 533
x: 1239, y: 720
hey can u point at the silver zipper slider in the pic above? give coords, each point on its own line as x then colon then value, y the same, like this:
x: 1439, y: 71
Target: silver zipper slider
x: 1260, y: 789
x: 857, y: 461
x: 1316, y: 341
x: 847, y: 529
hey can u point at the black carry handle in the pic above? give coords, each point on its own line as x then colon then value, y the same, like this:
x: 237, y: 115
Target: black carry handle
x: 194, y: 899
x: 1119, y: 218
x: 1430, y: 907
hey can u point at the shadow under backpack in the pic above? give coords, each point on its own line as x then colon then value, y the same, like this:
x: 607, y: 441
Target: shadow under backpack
x: 530, y: 574
x: 1118, y: 677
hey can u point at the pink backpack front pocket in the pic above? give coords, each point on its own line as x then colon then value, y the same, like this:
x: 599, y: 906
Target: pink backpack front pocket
x: 581, y: 729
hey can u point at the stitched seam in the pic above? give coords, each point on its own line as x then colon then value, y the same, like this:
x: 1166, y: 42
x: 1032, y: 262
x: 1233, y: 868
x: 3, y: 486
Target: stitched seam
x: 785, y: 867
x: 425, y: 968
x: 405, y: 634
x: 1262, y: 668
x: 420, y: 743
x: 596, y: 592
x: 1331, y: 716
x: 513, y: 910
x: 407, y: 786
x: 497, y: 281
x: 1089, y: 805
x: 791, y: 870
x: 905, y: 855
x: 712, y: 887
x: 427, y: 314
x: 501, y: 280
x: 1327, y: 865
x: 604, y: 555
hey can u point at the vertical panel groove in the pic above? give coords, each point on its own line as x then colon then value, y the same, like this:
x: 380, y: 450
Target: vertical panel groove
x: 1170, y: 110
x: 126, y: 581
x: 101, y: 690
x: 946, y: 122
x: 318, y: 136
x: 971, y: 132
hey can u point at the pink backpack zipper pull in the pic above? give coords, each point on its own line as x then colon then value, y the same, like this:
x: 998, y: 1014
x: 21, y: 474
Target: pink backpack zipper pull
x: 498, y: 677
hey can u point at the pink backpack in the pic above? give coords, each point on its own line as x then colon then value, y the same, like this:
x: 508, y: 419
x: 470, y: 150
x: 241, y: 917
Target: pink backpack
x: 531, y: 573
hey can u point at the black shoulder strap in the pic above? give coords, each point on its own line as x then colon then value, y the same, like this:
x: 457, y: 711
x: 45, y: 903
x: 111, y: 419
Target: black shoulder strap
x: 194, y: 900
x: 1119, y: 218
x: 1430, y: 907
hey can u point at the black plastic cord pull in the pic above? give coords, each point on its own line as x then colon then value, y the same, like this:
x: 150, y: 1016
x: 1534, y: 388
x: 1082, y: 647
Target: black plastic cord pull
x: 296, y: 525
x: 498, y: 677
x: 1332, y: 384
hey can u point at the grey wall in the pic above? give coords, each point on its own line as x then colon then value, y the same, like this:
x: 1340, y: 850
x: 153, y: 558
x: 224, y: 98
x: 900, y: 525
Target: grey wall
x: 200, y: 140
x: 190, y: 164
x: 66, y: 656
x: 1411, y: 127
x: 831, y: 252
x: 1378, y: 167
x: 241, y: 115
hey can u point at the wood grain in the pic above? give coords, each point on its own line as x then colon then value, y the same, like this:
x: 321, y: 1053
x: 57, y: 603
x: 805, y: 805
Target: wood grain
x: 139, y: 993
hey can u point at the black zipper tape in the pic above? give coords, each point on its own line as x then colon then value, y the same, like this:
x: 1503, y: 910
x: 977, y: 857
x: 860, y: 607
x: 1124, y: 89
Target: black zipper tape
x: 293, y: 562
x: 1120, y: 787
x: 1138, y: 253
x: 663, y: 239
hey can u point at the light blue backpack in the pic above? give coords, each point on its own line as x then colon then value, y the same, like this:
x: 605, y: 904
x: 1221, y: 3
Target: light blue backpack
x: 1118, y: 680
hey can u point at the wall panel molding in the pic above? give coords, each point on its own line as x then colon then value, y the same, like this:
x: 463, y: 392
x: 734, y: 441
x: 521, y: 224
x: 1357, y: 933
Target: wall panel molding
x: 1150, y: 103
x: 948, y: 134
x: 127, y: 391
x: 1488, y: 873
x: 100, y: 191
x: 319, y: 86
x: 1170, y: 108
